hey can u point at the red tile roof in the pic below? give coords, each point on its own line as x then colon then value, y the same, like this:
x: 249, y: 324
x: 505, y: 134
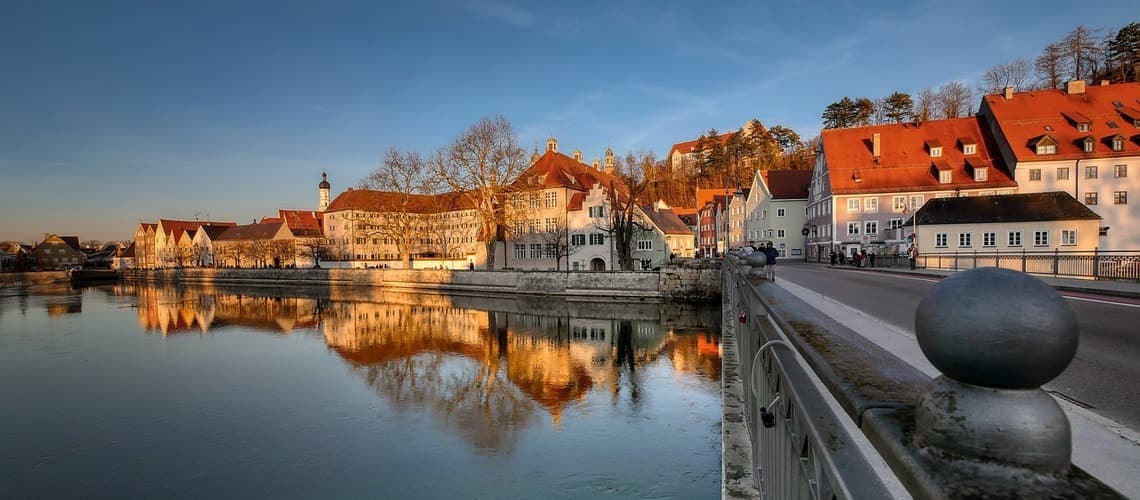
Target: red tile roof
x: 905, y: 163
x: 1024, y: 118
x: 691, y: 146
x: 387, y: 201
x: 251, y: 232
x: 706, y: 195
x: 177, y: 227
x: 556, y: 170
x: 787, y: 184
x: 301, y: 222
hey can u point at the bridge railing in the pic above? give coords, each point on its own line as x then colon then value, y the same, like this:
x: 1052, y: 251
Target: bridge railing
x: 984, y: 428
x: 1095, y: 264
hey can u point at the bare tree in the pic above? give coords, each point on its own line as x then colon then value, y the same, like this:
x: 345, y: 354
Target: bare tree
x: 1014, y: 74
x: 927, y: 102
x: 1050, y: 65
x: 1083, y: 48
x: 316, y: 248
x: 954, y: 100
x: 482, y: 163
x: 557, y: 240
x: 623, y: 196
x: 401, y: 180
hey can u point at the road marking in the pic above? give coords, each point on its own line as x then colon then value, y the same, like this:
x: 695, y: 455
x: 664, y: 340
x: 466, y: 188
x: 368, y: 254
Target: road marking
x: 1100, y: 301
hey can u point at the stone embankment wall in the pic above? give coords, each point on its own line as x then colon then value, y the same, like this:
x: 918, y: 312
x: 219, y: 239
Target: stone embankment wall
x: 689, y: 284
x: 7, y: 279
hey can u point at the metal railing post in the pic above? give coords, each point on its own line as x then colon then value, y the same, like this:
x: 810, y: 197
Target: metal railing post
x: 1096, y: 263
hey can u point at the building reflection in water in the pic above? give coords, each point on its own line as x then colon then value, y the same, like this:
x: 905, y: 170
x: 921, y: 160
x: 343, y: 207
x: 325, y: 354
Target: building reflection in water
x: 483, y: 374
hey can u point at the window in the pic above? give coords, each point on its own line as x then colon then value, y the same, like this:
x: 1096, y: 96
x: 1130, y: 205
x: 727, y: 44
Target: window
x: 895, y: 223
x: 969, y: 149
x: 1119, y: 171
x: 1120, y: 198
x: 1040, y: 238
x: 1090, y: 172
x: 981, y: 174
x: 1069, y: 237
x: 870, y: 205
x: 536, y: 250
x: 577, y: 239
x: 916, y: 202
x: 644, y: 245
x: 1063, y: 173
x: 1034, y: 174
x: 1118, y: 143
x: 1084, y: 127
x: 853, y: 205
x: 935, y: 151
x: 989, y: 239
x: 598, y: 211
x: 1046, y: 149
x: 871, y: 227
x: 898, y: 203
x: 1014, y: 239
x: 944, y: 176
x: 520, y: 251
x: 550, y: 250
x: 1089, y: 145
x: 1090, y: 198
x: 965, y: 239
x: 940, y: 240
x: 780, y: 212
x: 852, y: 228
x: 597, y: 238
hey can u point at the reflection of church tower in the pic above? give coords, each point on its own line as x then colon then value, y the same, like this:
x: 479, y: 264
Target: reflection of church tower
x: 324, y: 187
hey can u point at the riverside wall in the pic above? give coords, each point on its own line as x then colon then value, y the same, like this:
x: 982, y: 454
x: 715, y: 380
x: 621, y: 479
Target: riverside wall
x: 37, y: 277
x: 670, y: 284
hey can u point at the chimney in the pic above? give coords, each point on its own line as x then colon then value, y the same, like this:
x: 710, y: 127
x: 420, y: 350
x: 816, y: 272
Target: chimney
x: 1075, y: 87
x: 577, y: 156
x: 876, y: 145
x: 1104, y: 83
x: 552, y: 144
x: 1007, y: 93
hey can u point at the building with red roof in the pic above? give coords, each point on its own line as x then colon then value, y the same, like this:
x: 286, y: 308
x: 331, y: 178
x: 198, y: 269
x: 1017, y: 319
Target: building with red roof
x: 1083, y: 140
x: 867, y: 180
x: 775, y: 211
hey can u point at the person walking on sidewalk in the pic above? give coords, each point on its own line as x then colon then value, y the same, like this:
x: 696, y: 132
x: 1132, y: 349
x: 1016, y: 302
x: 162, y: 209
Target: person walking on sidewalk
x: 912, y: 254
x: 871, y: 255
x: 770, y: 255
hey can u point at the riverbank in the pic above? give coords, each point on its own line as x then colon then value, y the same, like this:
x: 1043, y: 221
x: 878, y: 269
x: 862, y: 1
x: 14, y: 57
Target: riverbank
x: 671, y: 284
x: 37, y: 277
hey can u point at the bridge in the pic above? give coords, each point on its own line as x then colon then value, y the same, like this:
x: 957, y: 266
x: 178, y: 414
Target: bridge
x: 816, y: 407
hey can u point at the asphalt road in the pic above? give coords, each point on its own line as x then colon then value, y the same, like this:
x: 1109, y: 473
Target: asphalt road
x: 1104, y: 376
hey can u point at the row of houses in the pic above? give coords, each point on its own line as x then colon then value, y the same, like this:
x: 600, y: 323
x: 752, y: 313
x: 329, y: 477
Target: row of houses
x: 1053, y: 170
x: 558, y: 219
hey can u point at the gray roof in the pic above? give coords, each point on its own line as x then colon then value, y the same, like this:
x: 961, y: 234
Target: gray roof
x: 666, y: 220
x: 251, y: 232
x: 1030, y: 207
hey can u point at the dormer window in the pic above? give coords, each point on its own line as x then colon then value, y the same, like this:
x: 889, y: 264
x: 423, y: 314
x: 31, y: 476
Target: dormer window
x: 1118, y: 143
x: 1089, y: 144
x: 1082, y: 122
x: 981, y: 174
x: 969, y: 149
x: 944, y: 176
x: 1045, y: 145
x: 943, y: 171
x: 1084, y: 127
x: 935, y: 147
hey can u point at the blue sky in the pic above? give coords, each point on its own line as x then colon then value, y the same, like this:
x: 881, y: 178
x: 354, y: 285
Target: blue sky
x: 112, y: 112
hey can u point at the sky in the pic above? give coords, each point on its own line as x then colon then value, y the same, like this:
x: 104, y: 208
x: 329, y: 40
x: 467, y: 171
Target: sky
x: 115, y: 112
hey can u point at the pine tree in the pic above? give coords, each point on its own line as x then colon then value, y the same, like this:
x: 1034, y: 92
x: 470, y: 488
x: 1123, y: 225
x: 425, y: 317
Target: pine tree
x: 898, y: 107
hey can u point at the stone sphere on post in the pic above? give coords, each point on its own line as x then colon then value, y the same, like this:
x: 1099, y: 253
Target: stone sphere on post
x: 996, y: 328
x: 997, y: 336
x: 757, y: 261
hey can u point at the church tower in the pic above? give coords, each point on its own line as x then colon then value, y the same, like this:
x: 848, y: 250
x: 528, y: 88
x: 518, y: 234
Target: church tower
x: 323, y: 189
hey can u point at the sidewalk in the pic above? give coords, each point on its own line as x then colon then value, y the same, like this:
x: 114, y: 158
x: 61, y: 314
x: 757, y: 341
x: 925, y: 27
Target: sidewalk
x: 1126, y: 289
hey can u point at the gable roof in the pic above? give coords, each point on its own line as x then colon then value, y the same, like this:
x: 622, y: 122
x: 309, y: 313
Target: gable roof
x: 787, y: 184
x: 177, y: 227
x: 665, y: 220
x: 1029, y: 115
x: 213, y: 231
x: 904, y: 163
x: 301, y: 222
x: 72, y: 241
x: 128, y: 252
x: 556, y: 170
x: 1029, y: 207
x: 251, y: 232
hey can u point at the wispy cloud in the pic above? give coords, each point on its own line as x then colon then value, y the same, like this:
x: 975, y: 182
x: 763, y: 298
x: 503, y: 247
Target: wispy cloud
x: 502, y: 12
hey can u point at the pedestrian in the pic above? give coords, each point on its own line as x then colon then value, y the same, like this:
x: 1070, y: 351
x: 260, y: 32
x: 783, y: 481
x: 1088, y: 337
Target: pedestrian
x: 470, y: 266
x: 834, y: 258
x: 770, y: 255
x: 912, y: 253
x: 871, y: 255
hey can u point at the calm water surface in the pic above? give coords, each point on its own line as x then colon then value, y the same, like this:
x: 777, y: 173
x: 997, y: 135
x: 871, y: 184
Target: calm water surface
x: 143, y: 391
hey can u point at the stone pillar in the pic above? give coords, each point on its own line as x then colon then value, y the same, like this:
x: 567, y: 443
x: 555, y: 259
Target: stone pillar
x: 996, y: 335
x: 757, y: 260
